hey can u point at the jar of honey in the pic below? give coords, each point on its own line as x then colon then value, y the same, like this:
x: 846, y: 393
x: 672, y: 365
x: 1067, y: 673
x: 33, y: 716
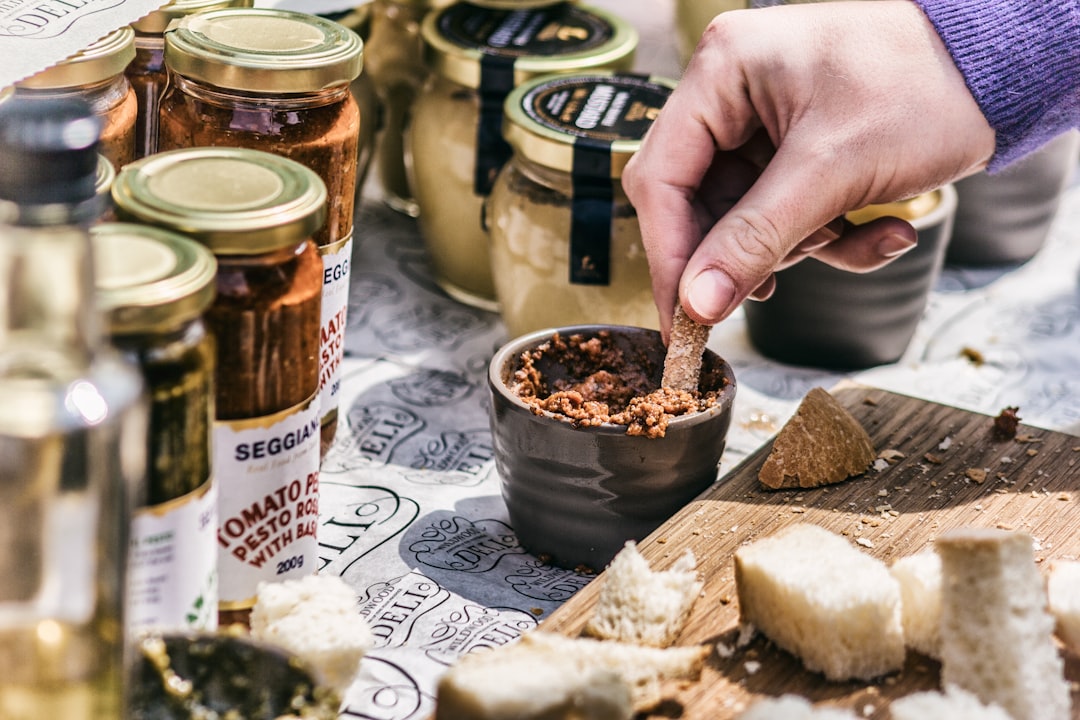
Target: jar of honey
x: 566, y: 247
x: 454, y: 143
x: 146, y: 72
x: 257, y: 213
x: 96, y: 76
x: 277, y: 81
x: 153, y: 287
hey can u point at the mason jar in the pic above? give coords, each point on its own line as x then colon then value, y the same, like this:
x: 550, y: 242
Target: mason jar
x: 454, y: 143
x: 257, y: 212
x: 153, y: 287
x: 96, y: 76
x: 277, y: 81
x: 146, y: 72
x: 566, y: 246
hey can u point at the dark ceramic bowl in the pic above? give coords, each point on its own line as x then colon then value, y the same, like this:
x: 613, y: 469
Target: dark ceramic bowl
x: 1004, y: 218
x: 577, y: 495
x: 827, y: 318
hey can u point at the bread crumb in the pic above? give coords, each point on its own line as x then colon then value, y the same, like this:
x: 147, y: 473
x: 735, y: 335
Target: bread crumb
x: 977, y: 475
x: 751, y: 666
x: 865, y: 542
x: 946, y: 443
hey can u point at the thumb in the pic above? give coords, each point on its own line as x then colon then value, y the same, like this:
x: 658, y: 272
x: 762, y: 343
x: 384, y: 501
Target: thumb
x: 786, y: 204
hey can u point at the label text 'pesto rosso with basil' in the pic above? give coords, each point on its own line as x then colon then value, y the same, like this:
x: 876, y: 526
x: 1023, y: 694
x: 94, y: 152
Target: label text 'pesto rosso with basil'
x: 269, y: 515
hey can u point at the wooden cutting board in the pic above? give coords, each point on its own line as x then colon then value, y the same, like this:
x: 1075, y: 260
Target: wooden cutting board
x: 947, y: 471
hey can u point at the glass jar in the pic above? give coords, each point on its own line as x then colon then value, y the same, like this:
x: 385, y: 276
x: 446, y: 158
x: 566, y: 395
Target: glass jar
x: 96, y: 75
x: 146, y: 72
x: 103, y: 180
x: 257, y: 212
x: 277, y: 81
x: 154, y: 286
x: 566, y: 247
x: 693, y: 16
x: 358, y: 20
x: 454, y: 143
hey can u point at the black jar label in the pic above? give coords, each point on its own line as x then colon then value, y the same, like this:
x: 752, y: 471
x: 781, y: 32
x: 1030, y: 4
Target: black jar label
x: 558, y: 29
x: 605, y: 108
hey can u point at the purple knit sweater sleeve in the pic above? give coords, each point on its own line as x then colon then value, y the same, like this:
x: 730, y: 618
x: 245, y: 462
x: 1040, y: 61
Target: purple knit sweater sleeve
x: 1021, y: 61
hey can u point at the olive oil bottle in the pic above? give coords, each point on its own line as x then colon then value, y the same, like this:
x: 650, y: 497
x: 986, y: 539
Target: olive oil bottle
x: 72, y: 423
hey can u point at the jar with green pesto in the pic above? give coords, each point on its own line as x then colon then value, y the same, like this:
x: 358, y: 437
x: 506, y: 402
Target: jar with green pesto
x: 153, y: 287
x: 454, y: 143
x: 95, y: 75
x: 566, y: 246
x: 146, y: 72
x: 277, y: 81
x: 257, y: 213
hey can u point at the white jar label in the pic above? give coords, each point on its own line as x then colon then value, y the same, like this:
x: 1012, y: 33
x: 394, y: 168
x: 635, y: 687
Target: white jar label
x: 267, y: 470
x: 335, y: 304
x: 173, y: 564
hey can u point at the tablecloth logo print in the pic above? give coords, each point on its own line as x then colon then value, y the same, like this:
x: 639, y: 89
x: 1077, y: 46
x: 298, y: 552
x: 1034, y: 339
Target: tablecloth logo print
x: 540, y: 581
x: 431, y: 388
x: 356, y: 520
x: 440, y: 326
x: 454, y: 458
x: 41, y: 20
x: 372, y: 433
x: 385, y: 690
x: 473, y: 628
x: 462, y: 545
x: 393, y: 607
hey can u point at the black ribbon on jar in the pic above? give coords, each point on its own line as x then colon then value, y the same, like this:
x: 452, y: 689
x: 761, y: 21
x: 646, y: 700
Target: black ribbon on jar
x: 492, y: 150
x: 590, y: 213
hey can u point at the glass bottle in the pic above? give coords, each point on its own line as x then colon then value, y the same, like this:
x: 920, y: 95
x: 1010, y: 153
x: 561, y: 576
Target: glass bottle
x: 277, y: 81
x: 96, y: 75
x: 146, y: 72
x: 72, y: 422
x: 154, y: 287
x: 454, y: 143
x: 257, y: 212
x: 566, y: 246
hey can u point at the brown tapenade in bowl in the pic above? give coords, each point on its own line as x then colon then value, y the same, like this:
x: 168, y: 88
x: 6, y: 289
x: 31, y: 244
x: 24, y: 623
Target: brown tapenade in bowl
x: 590, y: 450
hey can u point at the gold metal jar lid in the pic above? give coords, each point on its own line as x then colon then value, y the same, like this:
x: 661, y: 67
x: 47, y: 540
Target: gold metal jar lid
x: 559, y: 38
x: 263, y: 50
x: 156, y: 21
x: 236, y: 201
x: 101, y: 60
x: 149, y: 279
x: 549, y: 119
x: 909, y: 209
x: 105, y: 176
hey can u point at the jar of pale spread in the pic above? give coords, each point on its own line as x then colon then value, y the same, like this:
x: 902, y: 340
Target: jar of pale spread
x: 256, y: 212
x: 96, y: 75
x: 566, y: 247
x: 153, y: 287
x: 454, y: 143
x: 146, y: 72
x: 277, y: 81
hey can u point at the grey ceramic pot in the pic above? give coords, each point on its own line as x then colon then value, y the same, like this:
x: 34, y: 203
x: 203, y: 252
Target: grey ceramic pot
x: 578, y: 494
x: 1004, y: 218
x: 827, y: 318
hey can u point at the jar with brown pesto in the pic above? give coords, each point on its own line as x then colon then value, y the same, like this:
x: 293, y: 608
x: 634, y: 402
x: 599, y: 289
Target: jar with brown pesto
x: 153, y: 287
x: 358, y: 19
x: 277, y: 81
x: 454, y: 143
x: 566, y: 247
x: 256, y: 212
x: 146, y: 72
x: 96, y: 75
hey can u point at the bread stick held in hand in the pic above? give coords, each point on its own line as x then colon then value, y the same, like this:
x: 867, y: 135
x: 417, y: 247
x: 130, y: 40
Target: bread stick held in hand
x: 682, y: 364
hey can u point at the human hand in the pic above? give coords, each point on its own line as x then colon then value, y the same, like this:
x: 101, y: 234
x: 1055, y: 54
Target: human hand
x: 785, y: 119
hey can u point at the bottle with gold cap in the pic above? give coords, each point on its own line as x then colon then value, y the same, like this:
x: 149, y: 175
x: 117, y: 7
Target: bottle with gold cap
x: 566, y: 247
x: 72, y: 418
x: 256, y: 211
x: 277, y: 81
x: 146, y: 71
x: 96, y: 75
x: 454, y: 143
x: 154, y: 286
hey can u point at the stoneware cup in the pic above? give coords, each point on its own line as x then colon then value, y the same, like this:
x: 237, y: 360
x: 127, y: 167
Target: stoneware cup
x: 827, y: 318
x: 1004, y: 218
x: 577, y: 495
